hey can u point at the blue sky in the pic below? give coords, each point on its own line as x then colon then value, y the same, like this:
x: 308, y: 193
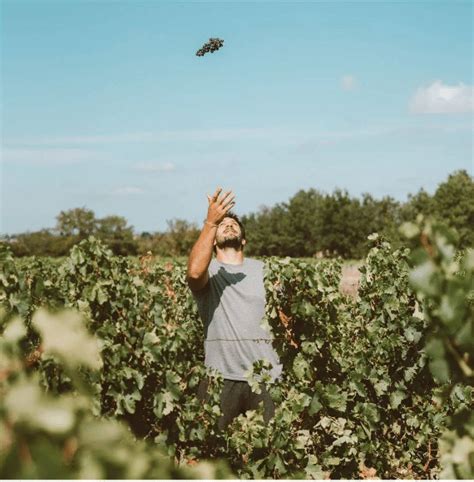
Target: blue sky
x: 105, y: 105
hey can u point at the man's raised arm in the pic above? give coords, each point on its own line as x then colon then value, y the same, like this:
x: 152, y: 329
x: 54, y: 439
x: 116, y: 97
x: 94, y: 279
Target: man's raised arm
x: 201, y: 254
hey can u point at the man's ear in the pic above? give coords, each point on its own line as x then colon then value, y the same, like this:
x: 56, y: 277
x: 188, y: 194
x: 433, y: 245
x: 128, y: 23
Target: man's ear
x: 244, y: 242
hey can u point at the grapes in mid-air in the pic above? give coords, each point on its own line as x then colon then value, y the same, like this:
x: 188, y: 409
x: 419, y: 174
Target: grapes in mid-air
x: 211, y: 46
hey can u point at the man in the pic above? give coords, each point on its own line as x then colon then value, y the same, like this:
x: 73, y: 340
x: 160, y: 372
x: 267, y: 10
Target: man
x: 230, y: 295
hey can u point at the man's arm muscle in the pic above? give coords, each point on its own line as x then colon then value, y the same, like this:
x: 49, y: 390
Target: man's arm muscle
x: 201, y: 254
x: 200, y: 258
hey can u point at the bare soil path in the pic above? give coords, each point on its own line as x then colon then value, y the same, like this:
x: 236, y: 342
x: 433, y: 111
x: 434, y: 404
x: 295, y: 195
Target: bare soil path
x: 350, y: 278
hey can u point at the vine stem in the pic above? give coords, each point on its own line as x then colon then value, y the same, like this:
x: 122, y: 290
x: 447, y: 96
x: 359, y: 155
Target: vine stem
x: 425, y: 467
x: 467, y: 371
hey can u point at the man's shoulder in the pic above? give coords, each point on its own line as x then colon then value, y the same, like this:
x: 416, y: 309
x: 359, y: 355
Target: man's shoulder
x: 249, y: 261
x: 253, y: 263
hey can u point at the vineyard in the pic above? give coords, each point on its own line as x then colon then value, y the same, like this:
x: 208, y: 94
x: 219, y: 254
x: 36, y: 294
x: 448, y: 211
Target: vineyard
x: 101, y: 356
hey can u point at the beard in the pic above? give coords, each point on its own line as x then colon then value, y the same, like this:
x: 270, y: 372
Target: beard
x: 230, y: 240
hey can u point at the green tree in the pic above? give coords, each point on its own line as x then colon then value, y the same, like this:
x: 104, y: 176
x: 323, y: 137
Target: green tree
x: 77, y: 221
x: 419, y: 203
x: 114, y: 226
x: 41, y: 243
x: 269, y: 232
x: 454, y: 205
x: 379, y: 216
x: 311, y: 222
x: 305, y: 222
x: 113, y: 230
x: 182, y: 235
x: 176, y: 241
x: 341, y: 231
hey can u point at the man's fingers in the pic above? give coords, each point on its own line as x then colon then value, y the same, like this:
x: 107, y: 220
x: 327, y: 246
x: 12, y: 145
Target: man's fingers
x: 229, y: 207
x: 228, y: 201
x: 216, y: 194
x: 224, y: 197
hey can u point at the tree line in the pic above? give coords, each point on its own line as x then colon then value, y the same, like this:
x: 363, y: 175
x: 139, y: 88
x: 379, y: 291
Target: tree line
x: 312, y: 223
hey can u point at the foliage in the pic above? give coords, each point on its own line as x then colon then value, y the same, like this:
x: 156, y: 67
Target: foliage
x: 77, y: 221
x: 42, y: 243
x: 338, y: 224
x: 371, y: 400
x: 444, y: 281
x: 48, y: 436
x: 356, y: 394
x: 114, y: 232
x: 455, y: 206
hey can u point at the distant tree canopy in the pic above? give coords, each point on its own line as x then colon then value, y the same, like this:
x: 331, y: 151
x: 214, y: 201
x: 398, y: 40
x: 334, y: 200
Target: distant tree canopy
x: 310, y: 223
x: 76, y: 222
x: 454, y: 203
x: 72, y: 226
x: 313, y: 223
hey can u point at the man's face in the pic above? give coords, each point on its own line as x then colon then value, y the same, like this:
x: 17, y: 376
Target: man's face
x: 229, y: 234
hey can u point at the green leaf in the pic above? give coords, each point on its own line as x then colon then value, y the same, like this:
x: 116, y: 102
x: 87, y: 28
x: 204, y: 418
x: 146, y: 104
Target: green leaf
x: 381, y: 387
x: 164, y: 404
x: 396, y: 398
x: 412, y: 335
x: 64, y: 335
x: 101, y: 296
x: 26, y: 403
x: 315, y: 405
x: 313, y: 470
x: 422, y: 276
x: 440, y: 370
x: 332, y: 461
x: 15, y: 330
x: 335, y: 398
x: 409, y: 230
x: 301, y: 368
x: 371, y: 413
x: 435, y: 348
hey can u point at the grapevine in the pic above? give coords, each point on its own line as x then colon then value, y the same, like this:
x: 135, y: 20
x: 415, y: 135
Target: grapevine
x: 356, y: 396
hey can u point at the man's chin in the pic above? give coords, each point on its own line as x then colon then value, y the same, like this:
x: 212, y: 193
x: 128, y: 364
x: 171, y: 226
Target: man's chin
x: 234, y: 243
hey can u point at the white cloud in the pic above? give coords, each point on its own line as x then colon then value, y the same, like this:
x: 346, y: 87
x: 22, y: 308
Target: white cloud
x: 127, y: 190
x: 439, y: 98
x: 51, y: 156
x: 153, y: 167
x: 348, y: 82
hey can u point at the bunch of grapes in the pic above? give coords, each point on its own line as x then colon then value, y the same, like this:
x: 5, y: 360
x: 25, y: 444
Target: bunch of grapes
x: 211, y: 46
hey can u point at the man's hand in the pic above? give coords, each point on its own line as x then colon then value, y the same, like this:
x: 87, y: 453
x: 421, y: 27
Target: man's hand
x: 219, y: 206
x: 201, y: 254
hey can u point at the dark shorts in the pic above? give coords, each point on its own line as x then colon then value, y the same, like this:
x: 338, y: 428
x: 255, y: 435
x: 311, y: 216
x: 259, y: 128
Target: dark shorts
x: 236, y: 398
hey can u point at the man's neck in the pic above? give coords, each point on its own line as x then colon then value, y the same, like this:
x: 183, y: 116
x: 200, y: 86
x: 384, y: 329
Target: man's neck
x: 230, y: 256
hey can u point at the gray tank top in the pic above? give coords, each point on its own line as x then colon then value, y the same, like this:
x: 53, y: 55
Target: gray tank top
x: 232, y: 306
